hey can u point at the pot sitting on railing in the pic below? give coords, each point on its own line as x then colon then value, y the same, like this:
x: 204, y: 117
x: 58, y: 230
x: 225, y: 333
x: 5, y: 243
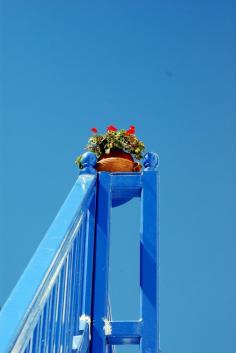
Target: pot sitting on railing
x: 116, y: 150
x: 117, y: 161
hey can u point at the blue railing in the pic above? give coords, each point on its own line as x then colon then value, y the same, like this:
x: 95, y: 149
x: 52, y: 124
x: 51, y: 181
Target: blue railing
x: 61, y: 303
x: 48, y: 305
x: 113, y: 190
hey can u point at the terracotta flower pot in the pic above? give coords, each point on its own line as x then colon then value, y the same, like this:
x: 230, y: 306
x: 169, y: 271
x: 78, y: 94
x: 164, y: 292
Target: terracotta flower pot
x: 117, y: 161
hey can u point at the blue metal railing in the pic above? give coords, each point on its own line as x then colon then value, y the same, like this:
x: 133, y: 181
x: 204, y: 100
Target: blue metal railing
x: 61, y: 303
x: 44, y: 310
x: 115, y: 189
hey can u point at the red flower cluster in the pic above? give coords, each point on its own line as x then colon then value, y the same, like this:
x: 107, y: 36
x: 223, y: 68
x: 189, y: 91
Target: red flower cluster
x: 131, y: 130
x: 111, y: 128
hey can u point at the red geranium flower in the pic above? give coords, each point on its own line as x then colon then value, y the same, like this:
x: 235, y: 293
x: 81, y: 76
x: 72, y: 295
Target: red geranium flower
x: 111, y: 128
x: 131, y: 130
x: 94, y: 130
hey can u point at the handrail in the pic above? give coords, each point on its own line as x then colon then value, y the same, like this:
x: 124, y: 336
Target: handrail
x: 49, y: 286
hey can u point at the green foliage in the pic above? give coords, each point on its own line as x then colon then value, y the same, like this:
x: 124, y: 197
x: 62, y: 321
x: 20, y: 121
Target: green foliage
x: 114, y: 139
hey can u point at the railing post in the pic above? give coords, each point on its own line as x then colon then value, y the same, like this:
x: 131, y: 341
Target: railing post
x: 101, y: 264
x: 149, y: 263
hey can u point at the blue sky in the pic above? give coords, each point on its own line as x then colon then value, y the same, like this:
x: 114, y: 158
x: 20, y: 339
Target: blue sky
x: 166, y: 67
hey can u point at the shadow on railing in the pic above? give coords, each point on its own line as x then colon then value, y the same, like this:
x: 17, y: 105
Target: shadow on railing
x: 48, y: 307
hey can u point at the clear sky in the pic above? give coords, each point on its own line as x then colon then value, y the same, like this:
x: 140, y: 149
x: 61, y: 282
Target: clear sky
x: 167, y: 67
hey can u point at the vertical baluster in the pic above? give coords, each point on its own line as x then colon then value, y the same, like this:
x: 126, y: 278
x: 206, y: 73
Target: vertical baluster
x: 57, y: 341
x: 89, y: 254
x: 76, y: 312
x: 67, y: 303
x: 43, y: 328
x: 149, y: 264
x: 80, y: 276
x: 70, y: 300
x: 100, y: 290
x: 83, y: 265
x: 73, y: 312
x: 71, y: 297
x: 71, y: 308
x: 77, y: 285
x: 46, y: 324
x: 52, y: 321
x: 64, y: 306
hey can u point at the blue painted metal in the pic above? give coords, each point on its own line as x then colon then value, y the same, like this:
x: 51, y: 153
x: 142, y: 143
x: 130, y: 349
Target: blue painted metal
x: 124, y: 187
x: 61, y: 303
x: 149, y: 264
x: 129, y: 332
x: 100, y: 290
x: 126, y: 183
x: 150, y: 161
x: 42, y: 313
x: 88, y: 162
x: 113, y: 190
